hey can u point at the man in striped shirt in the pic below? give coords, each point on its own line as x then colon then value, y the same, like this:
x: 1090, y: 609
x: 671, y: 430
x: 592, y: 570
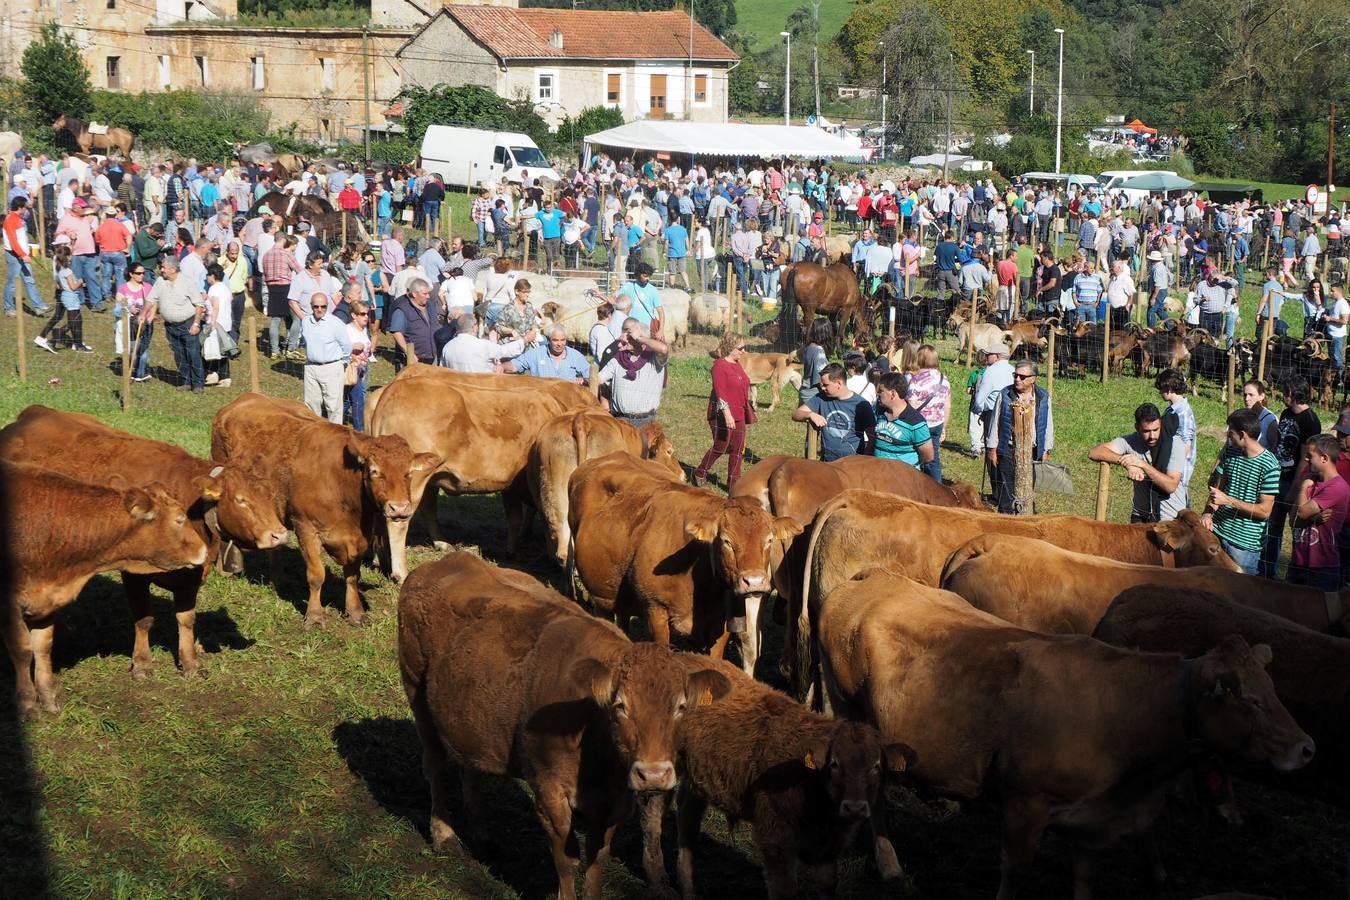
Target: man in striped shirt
x: 1242, y: 492
x: 1087, y: 292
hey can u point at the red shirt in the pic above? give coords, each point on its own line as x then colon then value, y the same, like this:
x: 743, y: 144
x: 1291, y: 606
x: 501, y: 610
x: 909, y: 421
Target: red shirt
x: 112, y: 236
x: 1007, y: 272
x: 349, y: 199
x: 731, y: 385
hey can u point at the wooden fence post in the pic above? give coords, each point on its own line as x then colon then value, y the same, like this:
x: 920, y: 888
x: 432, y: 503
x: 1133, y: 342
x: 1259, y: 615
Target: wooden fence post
x: 1024, y: 431
x: 468, y: 180
x: 344, y: 229
x: 1103, y: 489
x: 595, y: 379
x: 812, y: 442
x: 1265, y: 340
x: 1106, y: 345
x: 1050, y: 365
x: 18, y: 330
x: 970, y: 330
x: 1265, y: 257
x: 1232, y: 368
x: 728, y: 324
x: 253, y: 354
x: 449, y: 223
x: 127, y: 354
x: 41, y: 225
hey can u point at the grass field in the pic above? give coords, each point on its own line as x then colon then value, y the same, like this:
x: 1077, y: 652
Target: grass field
x: 762, y: 20
x: 291, y: 768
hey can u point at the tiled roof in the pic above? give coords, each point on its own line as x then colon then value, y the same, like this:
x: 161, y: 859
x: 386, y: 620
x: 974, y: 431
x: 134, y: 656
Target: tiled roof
x: 510, y: 33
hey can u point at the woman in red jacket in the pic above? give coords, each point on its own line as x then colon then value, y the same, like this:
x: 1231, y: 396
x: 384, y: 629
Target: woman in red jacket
x: 729, y: 410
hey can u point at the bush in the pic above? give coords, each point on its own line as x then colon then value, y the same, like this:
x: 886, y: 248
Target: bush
x: 188, y: 123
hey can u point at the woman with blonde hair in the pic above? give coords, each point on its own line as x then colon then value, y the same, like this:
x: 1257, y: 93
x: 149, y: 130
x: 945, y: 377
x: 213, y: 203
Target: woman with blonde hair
x: 931, y: 394
x: 729, y: 410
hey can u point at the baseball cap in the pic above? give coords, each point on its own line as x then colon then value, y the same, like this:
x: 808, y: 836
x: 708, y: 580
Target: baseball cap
x: 1343, y: 423
x: 1000, y: 349
x: 264, y: 210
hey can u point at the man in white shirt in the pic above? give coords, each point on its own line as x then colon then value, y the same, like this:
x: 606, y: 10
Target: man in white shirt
x: 1338, y: 314
x: 467, y: 352
x: 313, y: 280
x: 1120, y: 294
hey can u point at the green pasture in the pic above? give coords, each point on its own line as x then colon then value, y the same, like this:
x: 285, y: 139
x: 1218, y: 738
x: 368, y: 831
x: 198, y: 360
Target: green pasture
x: 291, y: 767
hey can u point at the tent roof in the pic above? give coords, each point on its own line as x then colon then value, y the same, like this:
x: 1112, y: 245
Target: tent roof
x: 1157, y: 181
x: 935, y: 159
x: 727, y: 139
x: 1141, y: 128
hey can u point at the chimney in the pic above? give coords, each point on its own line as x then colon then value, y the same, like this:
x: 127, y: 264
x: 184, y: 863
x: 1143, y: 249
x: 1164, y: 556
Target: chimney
x: 555, y: 40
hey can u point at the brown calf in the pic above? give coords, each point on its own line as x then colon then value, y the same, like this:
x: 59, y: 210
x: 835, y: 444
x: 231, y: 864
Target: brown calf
x: 506, y: 677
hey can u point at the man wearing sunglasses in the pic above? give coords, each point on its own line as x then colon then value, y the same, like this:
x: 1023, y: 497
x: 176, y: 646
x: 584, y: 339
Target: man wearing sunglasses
x: 1002, y: 446
x: 328, y: 346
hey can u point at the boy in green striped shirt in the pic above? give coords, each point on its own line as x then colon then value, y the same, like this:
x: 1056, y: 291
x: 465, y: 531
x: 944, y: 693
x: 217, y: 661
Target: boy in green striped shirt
x: 1242, y: 492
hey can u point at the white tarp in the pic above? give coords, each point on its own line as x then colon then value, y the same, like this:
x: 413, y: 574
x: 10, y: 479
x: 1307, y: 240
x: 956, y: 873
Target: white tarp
x: 952, y: 160
x: 708, y: 139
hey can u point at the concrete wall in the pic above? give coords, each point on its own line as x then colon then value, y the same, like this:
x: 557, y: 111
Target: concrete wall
x: 409, y: 13
x: 445, y: 54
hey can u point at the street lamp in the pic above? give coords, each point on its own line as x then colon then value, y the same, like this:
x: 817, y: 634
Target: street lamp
x: 1059, y: 103
x: 881, y: 45
x: 787, y: 78
x: 1031, y: 101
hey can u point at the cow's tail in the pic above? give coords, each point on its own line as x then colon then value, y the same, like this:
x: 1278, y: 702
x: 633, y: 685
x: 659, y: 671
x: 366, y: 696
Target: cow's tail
x: 803, y: 673
x: 971, y: 549
x: 790, y: 292
x: 579, y: 437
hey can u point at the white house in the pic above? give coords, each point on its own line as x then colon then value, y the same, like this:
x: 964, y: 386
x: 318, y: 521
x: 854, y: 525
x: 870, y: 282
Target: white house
x: 642, y: 63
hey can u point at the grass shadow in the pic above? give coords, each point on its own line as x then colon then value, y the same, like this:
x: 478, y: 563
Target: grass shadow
x: 285, y: 574
x: 502, y: 833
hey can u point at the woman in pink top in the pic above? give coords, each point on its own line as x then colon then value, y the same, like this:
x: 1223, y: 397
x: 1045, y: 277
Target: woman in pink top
x: 931, y: 394
x: 729, y: 410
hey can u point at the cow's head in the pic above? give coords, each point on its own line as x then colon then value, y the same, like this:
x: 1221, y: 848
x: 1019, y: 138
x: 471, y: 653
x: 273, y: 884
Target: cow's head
x: 1237, y: 712
x: 245, y: 511
x: 645, y: 692
x: 1191, y: 542
x: 967, y: 496
x: 852, y: 760
x: 659, y: 448
x: 161, y: 522
x: 746, y: 542
x: 390, y: 467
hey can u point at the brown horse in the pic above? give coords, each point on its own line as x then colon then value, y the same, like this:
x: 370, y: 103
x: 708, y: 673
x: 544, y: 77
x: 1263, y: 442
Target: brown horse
x: 826, y: 290
x: 118, y: 139
x: 318, y: 212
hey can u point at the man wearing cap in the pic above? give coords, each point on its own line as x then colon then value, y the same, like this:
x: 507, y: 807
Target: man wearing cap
x: 78, y: 227
x: 1159, y: 280
x: 18, y: 261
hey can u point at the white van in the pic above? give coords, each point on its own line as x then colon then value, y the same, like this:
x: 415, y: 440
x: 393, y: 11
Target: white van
x: 478, y: 157
x: 1111, y: 182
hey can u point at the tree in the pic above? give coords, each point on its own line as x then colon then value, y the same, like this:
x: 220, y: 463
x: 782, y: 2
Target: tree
x: 58, y: 80
x: 468, y: 105
x: 919, y: 75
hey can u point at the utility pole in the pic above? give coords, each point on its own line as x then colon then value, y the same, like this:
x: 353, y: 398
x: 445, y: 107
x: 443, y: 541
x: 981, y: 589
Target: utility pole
x: 1031, y: 100
x: 947, y: 146
x: 1331, y: 155
x: 882, y: 45
x: 1059, y: 103
x: 365, y: 81
x: 787, y: 78
x: 689, y: 88
x: 815, y: 58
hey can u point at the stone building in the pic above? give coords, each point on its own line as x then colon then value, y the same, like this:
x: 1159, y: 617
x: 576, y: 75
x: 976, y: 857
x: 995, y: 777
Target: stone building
x: 564, y: 60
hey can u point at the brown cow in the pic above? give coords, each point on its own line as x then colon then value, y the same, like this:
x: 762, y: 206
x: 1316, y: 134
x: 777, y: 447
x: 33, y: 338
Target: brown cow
x: 226, y: 505
x: 506, y: 677
x: 575, y: 437
x: 1042, y: 587
x: 1311, y: 671
x: 332, y: 484
x: 1065, y: 731
x: 685, y: 559
x: 60, y: 532
x: 481, y: 426
x: 776, y: 368
x: 804, y: 782
x: 862, y: 529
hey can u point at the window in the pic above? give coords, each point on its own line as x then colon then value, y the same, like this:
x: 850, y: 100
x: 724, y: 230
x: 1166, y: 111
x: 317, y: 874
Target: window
x: 546, y: 86
x: 113, y: 69
x: 165, y: 71
x: 614, y: 88
x: 499, y: 157
x: 112, y: 4
x: 259, y: 75
x: 203, y: 73
x: 701, y: 89
x: 328, y: 68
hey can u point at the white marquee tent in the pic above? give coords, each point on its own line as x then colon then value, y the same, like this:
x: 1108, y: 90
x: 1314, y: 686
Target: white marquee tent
x: 728, y: 139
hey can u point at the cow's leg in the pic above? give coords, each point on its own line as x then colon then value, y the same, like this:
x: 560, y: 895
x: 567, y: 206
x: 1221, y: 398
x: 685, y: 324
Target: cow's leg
x: 751, y: 639
x: 780, y: 865
x: 653, y: 809
x: 351, y: 573
x: 20, y: 647
x: 516, y: 501
x: 1148, y: 847
x: 435, y: 768
x: 185, y: 611
x: 600, y: 837
x: 1024, y: 820
x: 555, y: 812
x: 754, y: 398
x: 689, y: 819
x: 718, y: 650
x: 40, y: 634
x: 429, y: 512
x: 1084, y: 867
x: 311, y: 549
x: 137, y: 588
x: 658, y: 623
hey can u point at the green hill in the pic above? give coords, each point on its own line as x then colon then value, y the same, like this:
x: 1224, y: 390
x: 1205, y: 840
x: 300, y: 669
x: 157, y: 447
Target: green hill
x: 761, y: 20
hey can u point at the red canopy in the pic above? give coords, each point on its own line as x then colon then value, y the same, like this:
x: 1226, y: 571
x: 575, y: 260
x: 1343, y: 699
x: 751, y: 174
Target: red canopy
x: 1141, y: 128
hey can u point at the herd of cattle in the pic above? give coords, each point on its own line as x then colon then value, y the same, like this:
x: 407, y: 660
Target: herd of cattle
x: 1074, y: 671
